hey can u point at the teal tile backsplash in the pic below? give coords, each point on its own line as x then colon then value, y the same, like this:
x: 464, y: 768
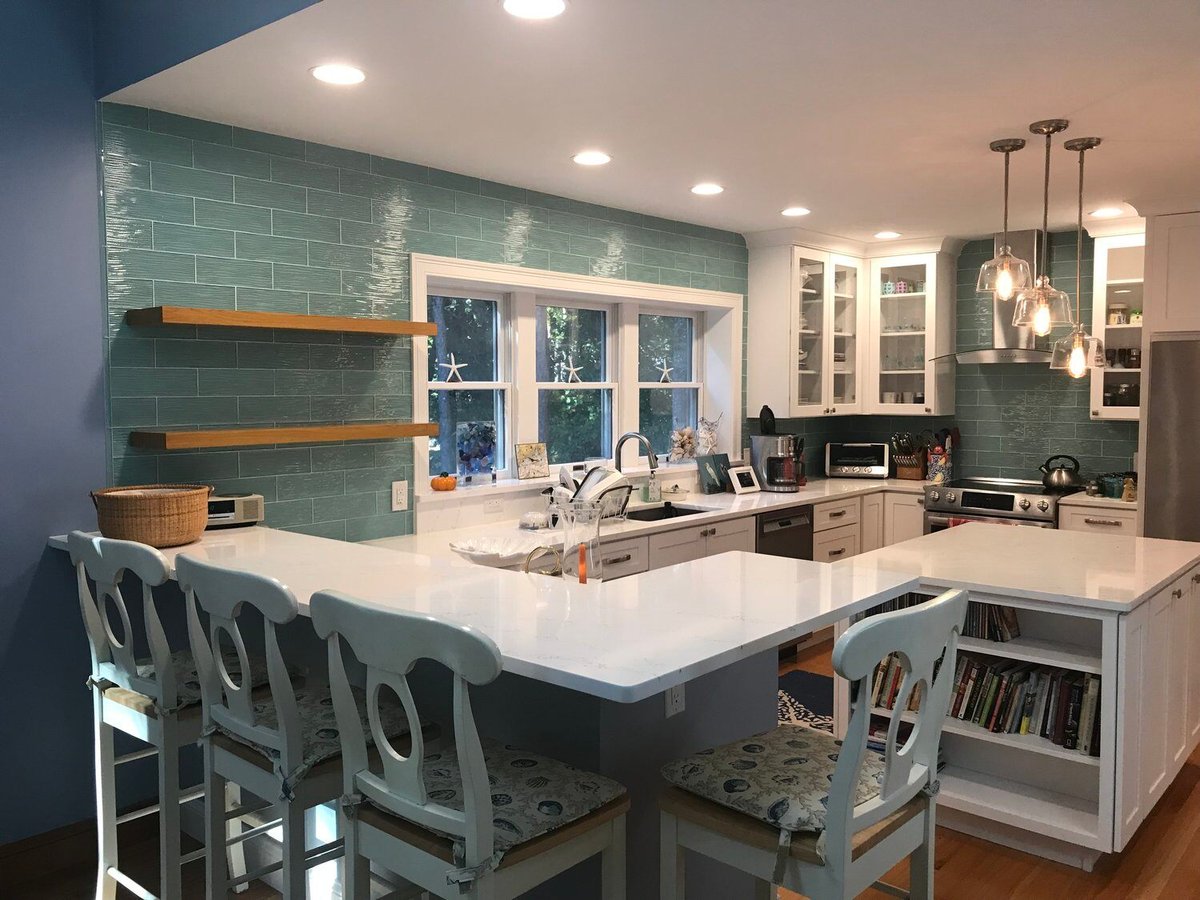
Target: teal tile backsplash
x: 205, y: 214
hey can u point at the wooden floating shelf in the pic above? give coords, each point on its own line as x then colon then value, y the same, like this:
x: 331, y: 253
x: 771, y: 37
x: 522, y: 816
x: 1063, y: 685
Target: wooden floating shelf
x: 234, y: 318
x: 303, y: 434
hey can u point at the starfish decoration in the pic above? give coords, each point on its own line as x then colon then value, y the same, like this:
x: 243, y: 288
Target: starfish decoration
x: 572, y: 369
x: 453, y: 374
x: 665, y: 378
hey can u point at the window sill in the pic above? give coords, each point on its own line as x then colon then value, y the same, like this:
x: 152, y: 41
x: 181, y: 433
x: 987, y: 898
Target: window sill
x: 484, y: 488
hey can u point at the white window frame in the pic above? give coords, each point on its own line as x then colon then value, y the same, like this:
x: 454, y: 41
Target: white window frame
x: 611, y: 364
x: 696, y: 382
x: 504, y: 352
x: 717, y: 353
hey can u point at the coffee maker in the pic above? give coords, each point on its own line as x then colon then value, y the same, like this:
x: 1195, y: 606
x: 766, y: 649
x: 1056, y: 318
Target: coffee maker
x: 778, y: 461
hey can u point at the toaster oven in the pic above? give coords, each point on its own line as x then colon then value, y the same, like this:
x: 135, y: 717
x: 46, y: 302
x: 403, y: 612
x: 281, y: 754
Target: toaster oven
x: 857, y: 460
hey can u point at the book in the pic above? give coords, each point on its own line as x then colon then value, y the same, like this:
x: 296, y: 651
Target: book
x: 1071, y: 719
x: 1087, y: 713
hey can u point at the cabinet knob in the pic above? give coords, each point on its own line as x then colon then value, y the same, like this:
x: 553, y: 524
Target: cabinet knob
x: 928, y: 410
x: 1196, y: 578
x: 1177, y: 593
x: 1096, y: 412
x: 833, y: 409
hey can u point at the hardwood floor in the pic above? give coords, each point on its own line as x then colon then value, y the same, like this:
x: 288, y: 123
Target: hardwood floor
x: 1162, y: 860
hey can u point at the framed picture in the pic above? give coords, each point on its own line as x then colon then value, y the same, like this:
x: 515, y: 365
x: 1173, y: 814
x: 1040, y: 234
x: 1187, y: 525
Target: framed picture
x: 744, y: 480
x: 714, y: 473
x: 475, y: 444
x: 532, y: 461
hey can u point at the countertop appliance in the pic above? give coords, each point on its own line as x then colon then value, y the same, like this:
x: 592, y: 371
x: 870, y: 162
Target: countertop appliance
x: 1062, y: 478
x: 857, y: 460
x: 233, y: 510
x: 1002, y: 501
x: 778, y: 460
x: 787, y: 532
x: 1169, y: 485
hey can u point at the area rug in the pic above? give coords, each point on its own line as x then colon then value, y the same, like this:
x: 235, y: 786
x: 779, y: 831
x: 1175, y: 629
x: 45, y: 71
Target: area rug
x: 806, y: 698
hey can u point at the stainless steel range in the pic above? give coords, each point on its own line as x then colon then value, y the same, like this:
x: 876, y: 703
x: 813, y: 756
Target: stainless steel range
x: 1002, y: 501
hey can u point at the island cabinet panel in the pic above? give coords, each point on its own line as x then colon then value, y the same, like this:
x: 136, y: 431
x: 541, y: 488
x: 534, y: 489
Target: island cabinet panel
x: 1178, y: 743
x: 1193, y: 649
x: 903, y: 517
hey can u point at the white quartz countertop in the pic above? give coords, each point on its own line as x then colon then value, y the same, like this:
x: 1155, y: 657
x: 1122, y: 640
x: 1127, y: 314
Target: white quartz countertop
x: 623, y: 640
x: 1082, y: 499
x: 718, y: 507
x: 1084, y: 569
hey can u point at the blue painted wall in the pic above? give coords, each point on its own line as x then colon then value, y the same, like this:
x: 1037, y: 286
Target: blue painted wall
x: 136, y: 38
x: 52, y: 419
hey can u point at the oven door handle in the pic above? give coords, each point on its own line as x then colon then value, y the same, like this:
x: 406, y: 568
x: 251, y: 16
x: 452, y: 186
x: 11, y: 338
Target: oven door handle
x: 937, y: 520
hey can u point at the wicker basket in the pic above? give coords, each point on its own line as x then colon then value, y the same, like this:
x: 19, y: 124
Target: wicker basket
x: 161, y: 515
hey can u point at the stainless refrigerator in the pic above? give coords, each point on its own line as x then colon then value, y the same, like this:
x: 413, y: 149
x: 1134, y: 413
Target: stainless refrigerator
x: 1170, y: 469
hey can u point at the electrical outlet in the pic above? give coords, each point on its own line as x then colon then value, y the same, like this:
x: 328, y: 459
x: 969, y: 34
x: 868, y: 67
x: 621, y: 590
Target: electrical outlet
x: 399, y: 496
x: 493, y: 506
x: 675, y: 701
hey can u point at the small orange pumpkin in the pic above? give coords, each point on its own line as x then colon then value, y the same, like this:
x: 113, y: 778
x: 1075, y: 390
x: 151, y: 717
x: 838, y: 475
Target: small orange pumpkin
x: 444, y: 482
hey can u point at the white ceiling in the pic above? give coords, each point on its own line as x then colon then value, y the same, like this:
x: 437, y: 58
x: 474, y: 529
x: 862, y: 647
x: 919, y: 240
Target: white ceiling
x: 873, y: 114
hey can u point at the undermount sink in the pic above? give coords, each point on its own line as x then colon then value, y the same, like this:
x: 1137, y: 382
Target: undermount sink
x: 667, y: 511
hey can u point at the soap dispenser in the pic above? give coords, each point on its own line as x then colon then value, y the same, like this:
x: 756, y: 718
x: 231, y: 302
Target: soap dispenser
x: 651, y: 490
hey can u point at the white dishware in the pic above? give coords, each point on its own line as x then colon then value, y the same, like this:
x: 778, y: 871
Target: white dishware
x: 499, y: 551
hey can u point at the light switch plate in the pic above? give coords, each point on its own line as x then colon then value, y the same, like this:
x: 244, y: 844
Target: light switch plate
x: 399, y: 496
x: 675, y: 700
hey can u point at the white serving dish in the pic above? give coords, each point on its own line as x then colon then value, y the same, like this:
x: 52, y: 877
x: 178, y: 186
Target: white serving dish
x: 500, y: 551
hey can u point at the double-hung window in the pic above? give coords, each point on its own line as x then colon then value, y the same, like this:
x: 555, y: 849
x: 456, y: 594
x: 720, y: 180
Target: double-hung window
x: 574, y: 391
x: 468, y: 383
x: 668, y: 377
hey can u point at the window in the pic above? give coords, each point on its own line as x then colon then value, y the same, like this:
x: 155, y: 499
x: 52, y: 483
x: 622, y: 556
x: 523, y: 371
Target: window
x: 467, y: 393
x: 575, y: 405
x: 668, y: 383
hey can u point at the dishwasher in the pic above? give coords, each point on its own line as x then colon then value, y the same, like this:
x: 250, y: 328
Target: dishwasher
x: 788, y: 532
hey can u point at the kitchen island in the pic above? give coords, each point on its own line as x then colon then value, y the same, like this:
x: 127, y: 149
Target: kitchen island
x: 586, y: 666
x: 1125, y: 609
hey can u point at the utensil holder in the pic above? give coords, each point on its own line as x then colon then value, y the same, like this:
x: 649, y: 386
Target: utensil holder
x: 911, y: 468
x: 941, y: 470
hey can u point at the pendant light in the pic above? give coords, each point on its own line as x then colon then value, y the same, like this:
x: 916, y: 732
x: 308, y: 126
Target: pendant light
x: 1041, y: 306
x: 1004, y: 275
x: 1078, y: 351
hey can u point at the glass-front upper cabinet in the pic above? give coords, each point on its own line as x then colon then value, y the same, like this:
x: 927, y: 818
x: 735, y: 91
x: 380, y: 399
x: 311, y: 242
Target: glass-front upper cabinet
x: 826, y: 324
x: 1117, y: 284
x: 912, y: 338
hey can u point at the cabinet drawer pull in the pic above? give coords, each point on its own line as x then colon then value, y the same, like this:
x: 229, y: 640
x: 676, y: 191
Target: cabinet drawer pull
x: 1177, y: 593
x: 617, y: 559
x: 837, y: 552
x: 837, y: 513
x: 1112, y: 523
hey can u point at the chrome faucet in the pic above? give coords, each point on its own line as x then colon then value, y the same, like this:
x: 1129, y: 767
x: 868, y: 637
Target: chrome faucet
x: 633, y: 435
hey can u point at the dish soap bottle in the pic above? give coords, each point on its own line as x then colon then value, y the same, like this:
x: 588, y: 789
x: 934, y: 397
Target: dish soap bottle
x: 651, y: 490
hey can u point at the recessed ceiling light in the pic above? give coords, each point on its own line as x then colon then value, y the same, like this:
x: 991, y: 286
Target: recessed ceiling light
x: 535, y: 9
x: 592, y: 158
x: 797, y: 211
x: 887, y: 235
x: 1107, y: 212
x: 707, y: 188
x: 337, y: 73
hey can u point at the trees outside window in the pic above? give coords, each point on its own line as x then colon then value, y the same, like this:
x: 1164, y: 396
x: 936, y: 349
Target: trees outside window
x: 574, y: 395
x: 667, y: 343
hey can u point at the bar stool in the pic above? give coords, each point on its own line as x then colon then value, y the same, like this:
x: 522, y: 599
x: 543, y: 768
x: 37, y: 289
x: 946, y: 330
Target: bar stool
x: 282, y: 747
x: 481, y: 819
x: 155, y: 700
x: 795, y: 807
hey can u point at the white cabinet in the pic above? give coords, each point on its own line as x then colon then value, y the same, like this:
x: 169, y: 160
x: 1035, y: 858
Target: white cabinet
x: 807, y: 319
x: 685, y: 544
x: 903, y: 517
x: 835, y: 513
x: 911, y: 335
x: 836, y: 543
x: 1172, y: 273
x: 871, y: 526
x: 1156, y: 700
x: 621, y: 558
x: 1117, y: 279
x: 1100, y: 520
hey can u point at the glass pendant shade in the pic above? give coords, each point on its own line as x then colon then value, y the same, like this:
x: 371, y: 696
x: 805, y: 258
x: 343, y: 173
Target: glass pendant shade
x: 1004, y: 275
x: 1077, y: 353
x: 1042, y: 308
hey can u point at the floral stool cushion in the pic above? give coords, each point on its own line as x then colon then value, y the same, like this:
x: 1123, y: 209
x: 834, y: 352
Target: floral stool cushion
x: 187, y: 679
x: 531, y: 794
x: 781, y: 777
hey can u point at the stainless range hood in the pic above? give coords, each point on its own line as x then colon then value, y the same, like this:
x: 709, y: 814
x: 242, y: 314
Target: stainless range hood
x: 1010, y: 343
